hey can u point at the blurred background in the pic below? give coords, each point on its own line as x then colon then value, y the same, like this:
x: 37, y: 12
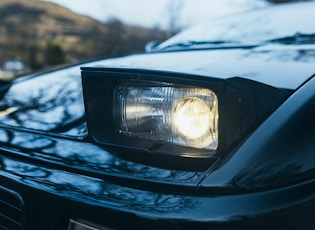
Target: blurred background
x: 39, y: 34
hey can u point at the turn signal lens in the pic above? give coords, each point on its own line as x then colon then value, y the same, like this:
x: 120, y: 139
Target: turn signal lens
x: 184, y: 116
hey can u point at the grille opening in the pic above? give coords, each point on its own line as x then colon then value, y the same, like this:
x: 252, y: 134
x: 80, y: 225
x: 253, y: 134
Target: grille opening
x: 11, y: 210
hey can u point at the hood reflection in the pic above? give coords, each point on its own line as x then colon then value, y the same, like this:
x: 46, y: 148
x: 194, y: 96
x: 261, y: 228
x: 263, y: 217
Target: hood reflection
x: 52, y: 102
x: 94, y: 190
x: 90, y: 158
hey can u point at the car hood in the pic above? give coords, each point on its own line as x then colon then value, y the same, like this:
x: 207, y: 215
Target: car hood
x: 283, y: 66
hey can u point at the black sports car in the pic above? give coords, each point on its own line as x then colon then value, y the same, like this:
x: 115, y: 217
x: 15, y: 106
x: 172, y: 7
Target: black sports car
x: 213, y: 128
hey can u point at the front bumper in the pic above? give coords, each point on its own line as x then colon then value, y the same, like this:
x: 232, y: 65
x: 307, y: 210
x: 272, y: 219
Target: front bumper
x: 49, y: 198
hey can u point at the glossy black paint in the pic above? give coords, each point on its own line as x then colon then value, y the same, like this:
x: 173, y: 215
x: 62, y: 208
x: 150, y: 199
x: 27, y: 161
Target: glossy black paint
x: 54, y: 169
x: 280, y: 152
x: 72, y: 178
x: 52, y: 196
x: 277, y: 65
x: 89, y: 159
x: 49, y: 103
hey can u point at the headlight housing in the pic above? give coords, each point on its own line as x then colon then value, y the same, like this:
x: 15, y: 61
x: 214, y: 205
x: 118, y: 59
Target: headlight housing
x: 186, y: 116
x: 173, y: 114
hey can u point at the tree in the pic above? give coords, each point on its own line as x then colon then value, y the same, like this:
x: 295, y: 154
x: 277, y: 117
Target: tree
x: 54, y: 54
x: 33, y: 60
x: 113, y: 41
x: 174, y: 10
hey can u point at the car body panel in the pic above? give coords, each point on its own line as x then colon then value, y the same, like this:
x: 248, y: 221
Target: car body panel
x: 51, y: 102
x: 91, y: 160
x: 95, y: 199
x: 280, y: 152
x: 277, y: 65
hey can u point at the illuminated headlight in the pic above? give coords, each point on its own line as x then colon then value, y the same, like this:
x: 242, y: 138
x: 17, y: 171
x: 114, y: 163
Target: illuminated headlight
x: 158, y: 115
x: 186, y: 116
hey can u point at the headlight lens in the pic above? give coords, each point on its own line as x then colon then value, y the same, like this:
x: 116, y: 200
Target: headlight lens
x: 186, y: 116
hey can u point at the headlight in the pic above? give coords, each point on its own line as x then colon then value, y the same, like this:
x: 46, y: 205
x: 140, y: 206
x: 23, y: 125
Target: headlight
x: 166, y: 114
x: 184, y: 116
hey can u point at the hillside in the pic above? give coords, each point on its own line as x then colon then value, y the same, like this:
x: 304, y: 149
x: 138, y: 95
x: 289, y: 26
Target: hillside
x: 45, y: 34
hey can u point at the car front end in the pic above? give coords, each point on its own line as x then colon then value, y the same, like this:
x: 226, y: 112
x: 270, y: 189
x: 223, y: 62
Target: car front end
x: 191, y: 135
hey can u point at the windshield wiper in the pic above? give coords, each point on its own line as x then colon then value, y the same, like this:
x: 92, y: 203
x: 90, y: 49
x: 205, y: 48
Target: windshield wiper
x: 199, y: 44
x: 298, y: 38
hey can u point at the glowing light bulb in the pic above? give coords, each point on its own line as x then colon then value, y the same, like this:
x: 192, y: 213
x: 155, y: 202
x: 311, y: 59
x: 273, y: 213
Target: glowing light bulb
x: 192, y: 118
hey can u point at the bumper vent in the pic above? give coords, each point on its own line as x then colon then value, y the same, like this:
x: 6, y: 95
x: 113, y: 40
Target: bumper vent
x: 11, y: 210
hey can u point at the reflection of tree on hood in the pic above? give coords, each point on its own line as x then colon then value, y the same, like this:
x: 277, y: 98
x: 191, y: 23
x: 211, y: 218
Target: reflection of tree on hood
x: 46, y: 103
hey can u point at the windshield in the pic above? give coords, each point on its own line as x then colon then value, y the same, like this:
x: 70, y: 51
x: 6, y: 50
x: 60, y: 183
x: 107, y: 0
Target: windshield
x: 252, y: 28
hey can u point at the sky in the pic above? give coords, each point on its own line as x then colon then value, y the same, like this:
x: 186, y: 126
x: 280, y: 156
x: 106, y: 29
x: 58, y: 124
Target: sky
x: 155, y: 13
